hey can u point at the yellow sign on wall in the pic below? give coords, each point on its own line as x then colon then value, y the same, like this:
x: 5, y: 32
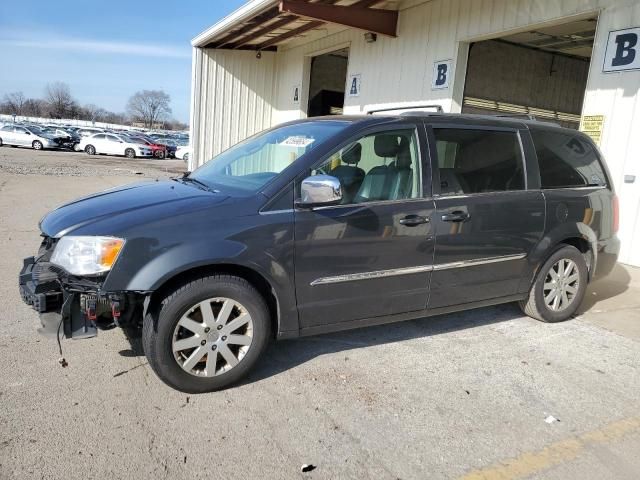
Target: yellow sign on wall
x: 592, y: 125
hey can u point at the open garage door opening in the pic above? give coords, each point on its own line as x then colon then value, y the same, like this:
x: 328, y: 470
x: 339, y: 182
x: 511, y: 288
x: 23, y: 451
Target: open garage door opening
x: 541, y: 72
x: 327, y: 83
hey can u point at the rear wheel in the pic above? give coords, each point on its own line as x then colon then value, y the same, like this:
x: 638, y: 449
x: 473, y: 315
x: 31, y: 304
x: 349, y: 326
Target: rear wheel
x: 559, y: 287
x: 207, y: 334
x: 90, y: 149
x: 1, y: 142
x: 130, y: 153
x: 185, y: 157
x: 37, y: 145
x: 160, y: 154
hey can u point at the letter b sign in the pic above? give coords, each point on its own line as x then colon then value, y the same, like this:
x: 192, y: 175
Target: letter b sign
x: 623, y: 50
x: 441, y: 74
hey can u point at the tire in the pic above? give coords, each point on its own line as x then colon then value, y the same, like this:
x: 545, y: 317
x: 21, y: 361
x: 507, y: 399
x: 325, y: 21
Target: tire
x: 185, y: 157
x: 90, y: 150
x: 1, y: 142
x: 160, y: 155
x: 541, y: 304
x: 37, y: 145
x: 130, y: 153
x: 163, y: 330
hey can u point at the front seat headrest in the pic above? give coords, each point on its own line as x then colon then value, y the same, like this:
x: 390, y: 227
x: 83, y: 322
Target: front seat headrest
x: 404, y: 154
x: 352, y: 155
x: 386, y: 145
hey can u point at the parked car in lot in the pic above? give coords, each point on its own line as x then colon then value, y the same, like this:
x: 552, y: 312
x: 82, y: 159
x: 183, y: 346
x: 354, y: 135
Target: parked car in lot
x: 88, y: 131
x: 183, y: 152
x: 327, y: 224
x: 29, y: 136
x: 112, y: 144
x: 158, y: 150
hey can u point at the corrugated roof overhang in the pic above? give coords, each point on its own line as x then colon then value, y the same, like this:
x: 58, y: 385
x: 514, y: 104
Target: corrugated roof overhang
x: 262, y: 25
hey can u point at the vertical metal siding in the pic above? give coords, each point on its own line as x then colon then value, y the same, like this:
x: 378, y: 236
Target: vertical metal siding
x: 233, y: 99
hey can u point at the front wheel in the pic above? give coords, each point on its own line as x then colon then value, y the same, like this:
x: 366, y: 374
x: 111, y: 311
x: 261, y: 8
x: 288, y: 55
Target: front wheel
x: 130, y: 153
x: 207, y: 334
x: 559, y: 287
x: 37, y: 145
x: 90, y: 150
x: 160, y: 154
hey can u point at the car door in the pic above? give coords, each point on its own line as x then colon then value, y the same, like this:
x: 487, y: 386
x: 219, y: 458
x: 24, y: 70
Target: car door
x: 22, y: 136
x: 97, y: 141
x: 372, y: 255
x: 113, y: 145
x: 487, y: 222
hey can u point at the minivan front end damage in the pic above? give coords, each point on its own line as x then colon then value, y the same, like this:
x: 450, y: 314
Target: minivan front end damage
x: 71, y: 305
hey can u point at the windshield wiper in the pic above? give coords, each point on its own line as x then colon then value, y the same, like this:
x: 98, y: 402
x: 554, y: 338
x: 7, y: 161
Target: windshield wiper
x: 186, y: 179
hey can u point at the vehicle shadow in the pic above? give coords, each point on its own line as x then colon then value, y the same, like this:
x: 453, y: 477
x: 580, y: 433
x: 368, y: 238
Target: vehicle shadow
x: 288, y: 354
x: 614, y: 284
x: 284, y: 355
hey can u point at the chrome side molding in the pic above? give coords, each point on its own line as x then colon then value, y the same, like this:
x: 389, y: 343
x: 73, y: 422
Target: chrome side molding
x: 352, y: 277
x: 478, y: 261
x: 371, y: 275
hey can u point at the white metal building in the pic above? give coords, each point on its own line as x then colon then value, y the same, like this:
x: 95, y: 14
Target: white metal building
x: 574, y: 61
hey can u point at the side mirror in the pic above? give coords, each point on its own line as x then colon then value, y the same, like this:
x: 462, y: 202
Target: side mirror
x: 319, y: 191
x: 28, y: 133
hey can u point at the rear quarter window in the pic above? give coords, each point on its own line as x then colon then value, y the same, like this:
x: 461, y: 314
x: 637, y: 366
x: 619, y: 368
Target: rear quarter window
x: 567, y: 160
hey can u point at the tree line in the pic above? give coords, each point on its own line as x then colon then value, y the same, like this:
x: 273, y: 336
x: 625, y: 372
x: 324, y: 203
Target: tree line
x: 147, y: 107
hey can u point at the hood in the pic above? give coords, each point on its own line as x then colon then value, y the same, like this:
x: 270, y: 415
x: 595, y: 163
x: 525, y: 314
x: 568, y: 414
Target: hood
x: 166, y: 196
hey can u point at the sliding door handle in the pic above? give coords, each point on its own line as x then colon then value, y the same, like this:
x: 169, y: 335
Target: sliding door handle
x: 456, y: 216
x: 413, y: 220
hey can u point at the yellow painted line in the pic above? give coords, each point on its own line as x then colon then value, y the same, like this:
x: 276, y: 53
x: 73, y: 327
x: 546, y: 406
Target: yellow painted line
x: 559, y: 452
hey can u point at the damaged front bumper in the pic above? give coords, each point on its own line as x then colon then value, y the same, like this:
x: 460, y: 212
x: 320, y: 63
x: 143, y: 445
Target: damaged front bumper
x: 75, y: 307
x: 59, y: 309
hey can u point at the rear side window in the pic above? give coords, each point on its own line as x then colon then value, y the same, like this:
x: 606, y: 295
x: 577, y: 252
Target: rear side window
x: 478, y: 161
x: 567, y: 160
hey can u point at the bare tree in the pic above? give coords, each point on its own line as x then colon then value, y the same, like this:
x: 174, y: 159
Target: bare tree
x: 14, y: 102
x: 34, y: 107
x: 149, y: 106
x: 58, y: 95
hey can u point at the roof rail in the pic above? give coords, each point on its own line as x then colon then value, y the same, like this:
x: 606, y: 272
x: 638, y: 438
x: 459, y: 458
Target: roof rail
x: 522, y: 116
x: 438, y: 109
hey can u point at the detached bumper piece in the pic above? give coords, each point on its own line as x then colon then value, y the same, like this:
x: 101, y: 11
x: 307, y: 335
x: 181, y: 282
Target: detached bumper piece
x: 40, y: 287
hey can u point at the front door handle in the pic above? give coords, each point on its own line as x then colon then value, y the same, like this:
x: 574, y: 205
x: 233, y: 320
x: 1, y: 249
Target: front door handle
x: 456, y: 216
x: 413, y: 220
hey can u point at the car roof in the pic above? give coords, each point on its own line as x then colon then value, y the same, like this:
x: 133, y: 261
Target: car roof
x: 446, y: 118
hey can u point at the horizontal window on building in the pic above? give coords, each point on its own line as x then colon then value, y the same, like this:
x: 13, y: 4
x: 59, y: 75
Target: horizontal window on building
x: 567, y: 160
x: 478, y: 161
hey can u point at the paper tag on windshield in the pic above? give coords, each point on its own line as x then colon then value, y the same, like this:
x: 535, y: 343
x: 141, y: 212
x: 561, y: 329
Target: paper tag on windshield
x: 297, y: 142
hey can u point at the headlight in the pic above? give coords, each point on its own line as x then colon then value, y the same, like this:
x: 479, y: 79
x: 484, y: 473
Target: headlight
x: 87, y: 255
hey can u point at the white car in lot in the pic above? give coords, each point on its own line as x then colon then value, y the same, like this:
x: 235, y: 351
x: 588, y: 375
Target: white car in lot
x: 112, y: 144
x: 183, y: 152
x: 26, y: 136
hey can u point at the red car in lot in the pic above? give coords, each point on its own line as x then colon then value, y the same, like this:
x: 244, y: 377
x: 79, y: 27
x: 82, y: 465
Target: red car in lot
x: 158, y: 150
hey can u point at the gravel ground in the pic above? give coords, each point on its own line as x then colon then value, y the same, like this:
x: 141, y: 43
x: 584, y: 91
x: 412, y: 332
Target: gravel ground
x: 24, y: 161
x: 484, y: 394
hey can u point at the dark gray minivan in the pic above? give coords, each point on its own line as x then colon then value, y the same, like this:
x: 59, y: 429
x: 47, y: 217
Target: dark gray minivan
x: 327, y: 224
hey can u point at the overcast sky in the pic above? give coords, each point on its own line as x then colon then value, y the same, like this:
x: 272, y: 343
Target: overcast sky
x: 105, y: 51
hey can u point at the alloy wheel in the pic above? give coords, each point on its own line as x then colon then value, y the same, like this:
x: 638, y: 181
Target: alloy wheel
x: 561, y: 285
x: 212, y: 337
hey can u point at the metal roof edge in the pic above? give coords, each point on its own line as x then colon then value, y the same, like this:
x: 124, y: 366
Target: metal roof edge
x: 238, y: 16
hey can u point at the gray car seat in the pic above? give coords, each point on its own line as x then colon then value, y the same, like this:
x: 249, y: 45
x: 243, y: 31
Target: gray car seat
x: 350, y: 175
x: 376, y: 183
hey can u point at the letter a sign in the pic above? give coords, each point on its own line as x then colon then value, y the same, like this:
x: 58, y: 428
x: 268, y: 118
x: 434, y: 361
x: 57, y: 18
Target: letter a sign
x: 623, y: 50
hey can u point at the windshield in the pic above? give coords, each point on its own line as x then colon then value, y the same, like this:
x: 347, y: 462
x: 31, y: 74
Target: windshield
x: 252, y: 163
